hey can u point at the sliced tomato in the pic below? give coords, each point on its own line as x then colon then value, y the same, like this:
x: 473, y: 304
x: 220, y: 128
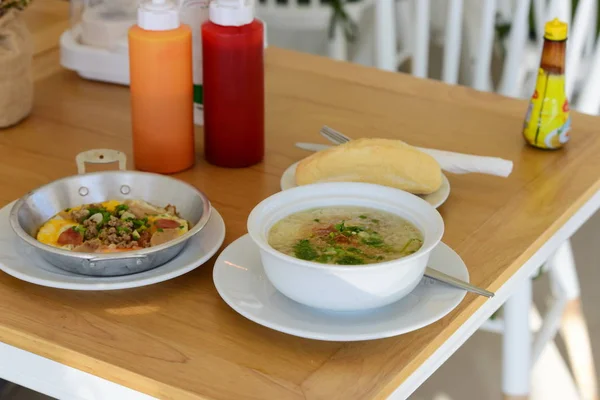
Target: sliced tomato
x: 70, y: 236
x: 165, y: 223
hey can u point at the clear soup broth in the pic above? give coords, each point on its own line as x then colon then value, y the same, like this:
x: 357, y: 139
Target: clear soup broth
x: 345, y: 236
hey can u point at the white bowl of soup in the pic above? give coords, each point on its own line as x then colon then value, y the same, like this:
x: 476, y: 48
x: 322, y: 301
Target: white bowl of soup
x: 345, y: 246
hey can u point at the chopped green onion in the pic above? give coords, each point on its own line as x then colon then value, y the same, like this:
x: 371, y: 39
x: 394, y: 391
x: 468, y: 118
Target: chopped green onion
x: 304, y: 250
x: 340, y: 227
x: 123, y: 229
x: 349, y: 260
x: 138, y: 223
x: 408, y: 244
x: 373, y: 240
x: 121, y: 208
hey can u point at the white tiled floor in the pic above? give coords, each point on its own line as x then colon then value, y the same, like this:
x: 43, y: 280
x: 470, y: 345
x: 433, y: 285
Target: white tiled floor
x: 474, y: 372
x: 14, y: 392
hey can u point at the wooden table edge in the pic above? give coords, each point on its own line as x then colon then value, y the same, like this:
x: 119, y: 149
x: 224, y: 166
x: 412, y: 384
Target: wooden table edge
x: 82, y: 362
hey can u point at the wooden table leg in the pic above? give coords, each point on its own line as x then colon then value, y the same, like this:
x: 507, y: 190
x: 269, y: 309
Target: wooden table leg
x: 576, y: 336
x: 573, y: 326
x: 516, y: 352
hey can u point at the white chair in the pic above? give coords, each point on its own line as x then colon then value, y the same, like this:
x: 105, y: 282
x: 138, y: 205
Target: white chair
x: 467, y: 39
x: 582, y: 84
x: 315, y: 15
x: 310, y: 15
x: 582, y: 35
x: 588, y: 100
x: 471, y: 23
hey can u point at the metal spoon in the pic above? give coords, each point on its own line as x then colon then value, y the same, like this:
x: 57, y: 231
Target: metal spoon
x: 457, y: 283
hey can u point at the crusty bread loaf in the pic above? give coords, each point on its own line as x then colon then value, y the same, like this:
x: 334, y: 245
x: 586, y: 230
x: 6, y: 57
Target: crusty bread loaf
x: 380, y: 161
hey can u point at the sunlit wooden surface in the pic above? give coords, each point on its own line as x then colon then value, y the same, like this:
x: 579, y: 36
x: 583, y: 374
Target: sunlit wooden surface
x: 178, y: 339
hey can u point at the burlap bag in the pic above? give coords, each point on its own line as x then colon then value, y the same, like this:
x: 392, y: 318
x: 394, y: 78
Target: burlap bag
x: 16, y: 83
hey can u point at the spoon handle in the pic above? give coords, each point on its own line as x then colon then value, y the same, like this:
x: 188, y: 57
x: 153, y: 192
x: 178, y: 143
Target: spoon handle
x: 447, y: 279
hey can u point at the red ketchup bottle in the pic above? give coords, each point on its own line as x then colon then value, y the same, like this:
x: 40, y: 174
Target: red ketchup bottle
x: 234, y: 91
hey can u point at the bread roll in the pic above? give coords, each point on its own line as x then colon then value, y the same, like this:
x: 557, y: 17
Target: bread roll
x: 380, y: 161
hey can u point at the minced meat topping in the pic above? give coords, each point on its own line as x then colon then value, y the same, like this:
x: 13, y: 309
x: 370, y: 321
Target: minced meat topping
x: 103, y: 228
x: 113, y: 226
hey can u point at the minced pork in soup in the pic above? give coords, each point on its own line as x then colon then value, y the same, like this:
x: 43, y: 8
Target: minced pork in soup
x: 345, y: 236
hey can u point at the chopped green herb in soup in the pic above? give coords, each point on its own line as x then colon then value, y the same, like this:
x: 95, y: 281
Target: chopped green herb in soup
x: 345, y: 236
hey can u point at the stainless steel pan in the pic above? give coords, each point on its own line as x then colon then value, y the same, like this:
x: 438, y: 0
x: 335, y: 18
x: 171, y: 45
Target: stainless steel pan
x: 36, y: 207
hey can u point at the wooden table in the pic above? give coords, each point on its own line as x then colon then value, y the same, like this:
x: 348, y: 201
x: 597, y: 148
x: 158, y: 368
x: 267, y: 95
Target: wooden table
x: 178, y: 339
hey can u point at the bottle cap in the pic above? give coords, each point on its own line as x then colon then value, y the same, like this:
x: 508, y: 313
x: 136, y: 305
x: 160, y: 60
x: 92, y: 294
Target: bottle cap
x: 556, y: 30
x: 231, y: 12
x: 158, y: 15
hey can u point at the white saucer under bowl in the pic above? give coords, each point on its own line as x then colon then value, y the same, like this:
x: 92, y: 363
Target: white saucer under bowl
x: 436, y: 199
x: 22, y: 261
x: 241, y: 281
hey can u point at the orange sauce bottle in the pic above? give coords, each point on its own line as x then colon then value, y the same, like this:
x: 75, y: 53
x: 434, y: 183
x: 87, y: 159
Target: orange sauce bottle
x: 162, y: 89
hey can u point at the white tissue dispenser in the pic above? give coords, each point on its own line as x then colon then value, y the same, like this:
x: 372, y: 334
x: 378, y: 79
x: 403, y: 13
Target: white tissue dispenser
x: 96, y: 44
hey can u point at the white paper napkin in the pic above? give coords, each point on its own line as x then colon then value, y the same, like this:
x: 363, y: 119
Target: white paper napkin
x: 459, y: 163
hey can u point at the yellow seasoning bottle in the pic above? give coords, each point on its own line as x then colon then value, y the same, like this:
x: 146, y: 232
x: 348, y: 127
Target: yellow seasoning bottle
x: 548, y: 119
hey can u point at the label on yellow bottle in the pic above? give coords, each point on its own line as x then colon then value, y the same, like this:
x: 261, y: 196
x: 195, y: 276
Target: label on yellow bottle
x: 548, y: 119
